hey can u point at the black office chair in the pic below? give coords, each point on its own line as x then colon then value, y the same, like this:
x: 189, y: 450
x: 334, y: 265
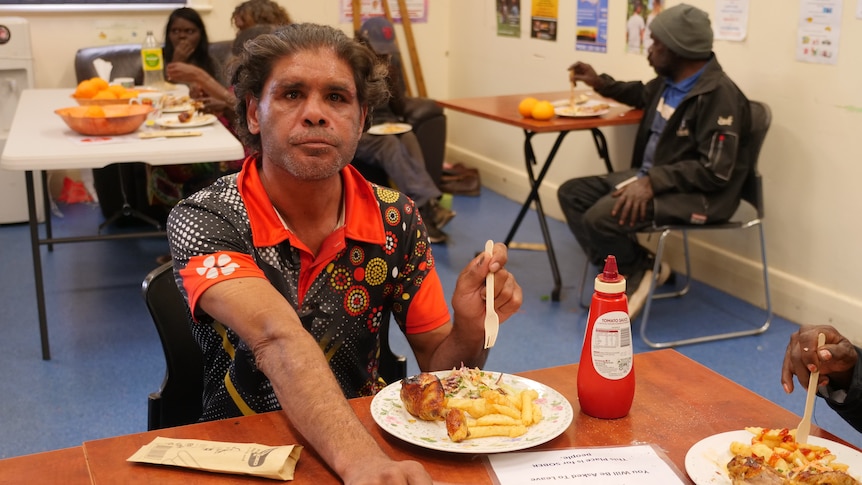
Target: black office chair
x: 179, y: 400
x: 752, y: 193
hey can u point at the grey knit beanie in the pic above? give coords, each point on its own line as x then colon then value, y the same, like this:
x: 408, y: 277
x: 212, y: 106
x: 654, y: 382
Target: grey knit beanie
x: 685, y: 30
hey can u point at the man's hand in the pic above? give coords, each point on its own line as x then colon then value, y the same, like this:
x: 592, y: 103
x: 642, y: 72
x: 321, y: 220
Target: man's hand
x: 386, y: 472
x: 468, y: 300
x: 581, y: 71
x: 835, y: 360
x: 632, y: 201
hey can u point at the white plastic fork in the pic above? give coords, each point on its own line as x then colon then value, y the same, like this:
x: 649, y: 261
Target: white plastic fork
x: 492, y: 321
x: 805, y: 425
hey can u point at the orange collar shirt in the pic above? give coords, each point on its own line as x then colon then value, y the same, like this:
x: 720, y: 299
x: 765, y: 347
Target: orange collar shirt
x: 376, y: 265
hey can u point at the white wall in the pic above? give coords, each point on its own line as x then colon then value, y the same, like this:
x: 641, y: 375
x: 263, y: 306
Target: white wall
x: 807, y: 161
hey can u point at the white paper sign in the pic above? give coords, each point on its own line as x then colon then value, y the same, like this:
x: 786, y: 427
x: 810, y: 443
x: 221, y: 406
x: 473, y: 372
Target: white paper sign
x: 731, y: 19
x: 819, y: 31
x: 628, y: 465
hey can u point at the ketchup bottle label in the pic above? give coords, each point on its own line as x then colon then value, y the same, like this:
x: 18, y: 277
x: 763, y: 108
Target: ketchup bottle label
x: 612, y: 345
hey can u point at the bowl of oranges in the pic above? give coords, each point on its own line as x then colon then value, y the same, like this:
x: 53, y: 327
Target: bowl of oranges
x: 97, y: 91
x: 108, y: 120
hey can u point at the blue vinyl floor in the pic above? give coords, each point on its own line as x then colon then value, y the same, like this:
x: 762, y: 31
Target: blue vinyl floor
x: 106, y: 355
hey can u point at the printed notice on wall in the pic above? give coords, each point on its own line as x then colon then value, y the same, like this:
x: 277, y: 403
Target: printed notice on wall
x: 417, y: 10
x: 819, y: 31
x: 731, y: 19
x: 543, y: 19
x: 632, y: 465
x: 592, y: 22
x: 509, y: 18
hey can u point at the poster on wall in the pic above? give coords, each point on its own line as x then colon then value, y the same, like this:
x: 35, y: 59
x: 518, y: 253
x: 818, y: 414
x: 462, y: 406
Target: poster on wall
x: 731, y: 19
x: 653, y: 8
x: 592, y: 26
x: 509, y: 18
x: 635, y: 27
x: 819, y: 31
x: 416, y: 9
x: 543, y: 20
x: 859, y: 9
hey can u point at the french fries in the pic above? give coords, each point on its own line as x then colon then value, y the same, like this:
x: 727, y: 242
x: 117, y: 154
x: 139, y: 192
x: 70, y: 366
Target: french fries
x: 779, y: 449
x: 496, y: 414
x: 474, y: 404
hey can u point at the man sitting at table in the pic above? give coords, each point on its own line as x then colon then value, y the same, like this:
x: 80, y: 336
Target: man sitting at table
x: 290, y: 266
x: 686, y: 166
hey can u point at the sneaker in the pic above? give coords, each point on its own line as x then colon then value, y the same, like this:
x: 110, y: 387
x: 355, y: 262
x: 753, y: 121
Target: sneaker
x: 428, y: 213
x: 442, y: 216
x: 638, y: 295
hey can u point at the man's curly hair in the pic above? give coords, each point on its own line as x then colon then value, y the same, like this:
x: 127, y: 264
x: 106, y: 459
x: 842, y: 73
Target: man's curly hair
x: 254, y: 65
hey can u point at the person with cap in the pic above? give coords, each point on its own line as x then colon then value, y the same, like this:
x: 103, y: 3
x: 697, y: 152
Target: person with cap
x: 399, y: 154
x: 686, y: 163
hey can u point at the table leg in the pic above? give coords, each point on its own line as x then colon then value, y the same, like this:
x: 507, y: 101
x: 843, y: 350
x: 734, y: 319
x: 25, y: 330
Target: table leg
x: 46, y: 206
x: 535, y: 184
x: 602, y: 147
x: 37, y: 262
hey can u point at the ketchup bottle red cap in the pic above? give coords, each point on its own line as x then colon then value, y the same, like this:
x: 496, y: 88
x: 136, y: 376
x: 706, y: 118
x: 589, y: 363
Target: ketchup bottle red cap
x: 610, y: 280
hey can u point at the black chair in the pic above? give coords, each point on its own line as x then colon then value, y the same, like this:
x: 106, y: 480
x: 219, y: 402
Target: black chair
x: 179, y: 400
x: 752, y: 193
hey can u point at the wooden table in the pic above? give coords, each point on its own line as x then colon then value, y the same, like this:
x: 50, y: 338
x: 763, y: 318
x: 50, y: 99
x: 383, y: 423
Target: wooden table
x: 40, y: 140
x: 677, y: 403
x: 67, y: 466
x: 504, y: 109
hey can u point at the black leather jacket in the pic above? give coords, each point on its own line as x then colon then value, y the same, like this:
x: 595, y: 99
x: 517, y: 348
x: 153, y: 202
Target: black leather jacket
x: 701, y: 161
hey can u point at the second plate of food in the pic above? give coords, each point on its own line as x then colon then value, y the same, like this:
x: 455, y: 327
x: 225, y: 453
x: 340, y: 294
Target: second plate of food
x: 388, y: 411
x: 172, y: 121
x: 389, y: 129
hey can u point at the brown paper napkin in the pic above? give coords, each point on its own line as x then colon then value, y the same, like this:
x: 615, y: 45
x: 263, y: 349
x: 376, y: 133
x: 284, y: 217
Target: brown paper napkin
x: 276, y: 462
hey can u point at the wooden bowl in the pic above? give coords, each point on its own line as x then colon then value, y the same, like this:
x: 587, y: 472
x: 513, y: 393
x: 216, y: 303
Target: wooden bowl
x: 118, y: 119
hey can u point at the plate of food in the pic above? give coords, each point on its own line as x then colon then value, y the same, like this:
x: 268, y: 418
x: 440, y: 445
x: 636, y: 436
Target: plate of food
x: 176, y: 103
x: 471, y: 411
x: 771, y: 456
x: 389, y: 129
x: 584, y: 110
x: 181, y: 121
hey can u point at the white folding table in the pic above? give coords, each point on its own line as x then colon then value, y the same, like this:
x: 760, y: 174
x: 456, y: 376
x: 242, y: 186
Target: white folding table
x: 39, y: 140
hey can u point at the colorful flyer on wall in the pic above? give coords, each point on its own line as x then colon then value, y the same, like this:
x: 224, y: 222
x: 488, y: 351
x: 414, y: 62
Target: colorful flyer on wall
x: 731, y: 19
x: 543, y: 22
x: 592, y: 26
x: 416, y: 9
x: 509, y: 18
x: 819, y: 31
x: 635, y: 27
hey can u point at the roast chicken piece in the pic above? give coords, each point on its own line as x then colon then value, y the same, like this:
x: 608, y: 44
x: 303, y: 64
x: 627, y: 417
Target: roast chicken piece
x: 751, y: 470
x: 456, y: 425
x: 423, y: 396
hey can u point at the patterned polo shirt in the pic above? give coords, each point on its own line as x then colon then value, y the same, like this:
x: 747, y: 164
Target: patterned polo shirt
x: 377, y: 264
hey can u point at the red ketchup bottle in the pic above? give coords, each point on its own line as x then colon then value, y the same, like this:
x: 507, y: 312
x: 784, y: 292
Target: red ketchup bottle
x: 606, y: 378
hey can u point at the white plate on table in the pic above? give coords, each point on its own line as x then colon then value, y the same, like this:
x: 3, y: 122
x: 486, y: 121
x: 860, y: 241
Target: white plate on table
x: 584, y: 110
x: 172, y: 121
x: 389, y: 413
x: 389, y: 129
x: 706, y: 461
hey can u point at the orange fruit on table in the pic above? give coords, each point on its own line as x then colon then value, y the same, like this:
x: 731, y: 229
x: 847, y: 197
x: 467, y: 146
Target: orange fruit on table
x: 99, y: 83
x: 86, y: 89
x: 105, y: 94
x: 117, y: 89
x: 525, y: 107
x: 543, y: 110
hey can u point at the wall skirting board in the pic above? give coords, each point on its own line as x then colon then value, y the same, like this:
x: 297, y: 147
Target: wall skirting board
x: 793, y: 298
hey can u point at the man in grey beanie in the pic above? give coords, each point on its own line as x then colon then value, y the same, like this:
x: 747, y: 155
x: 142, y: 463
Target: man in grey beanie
x: 687, y: 166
